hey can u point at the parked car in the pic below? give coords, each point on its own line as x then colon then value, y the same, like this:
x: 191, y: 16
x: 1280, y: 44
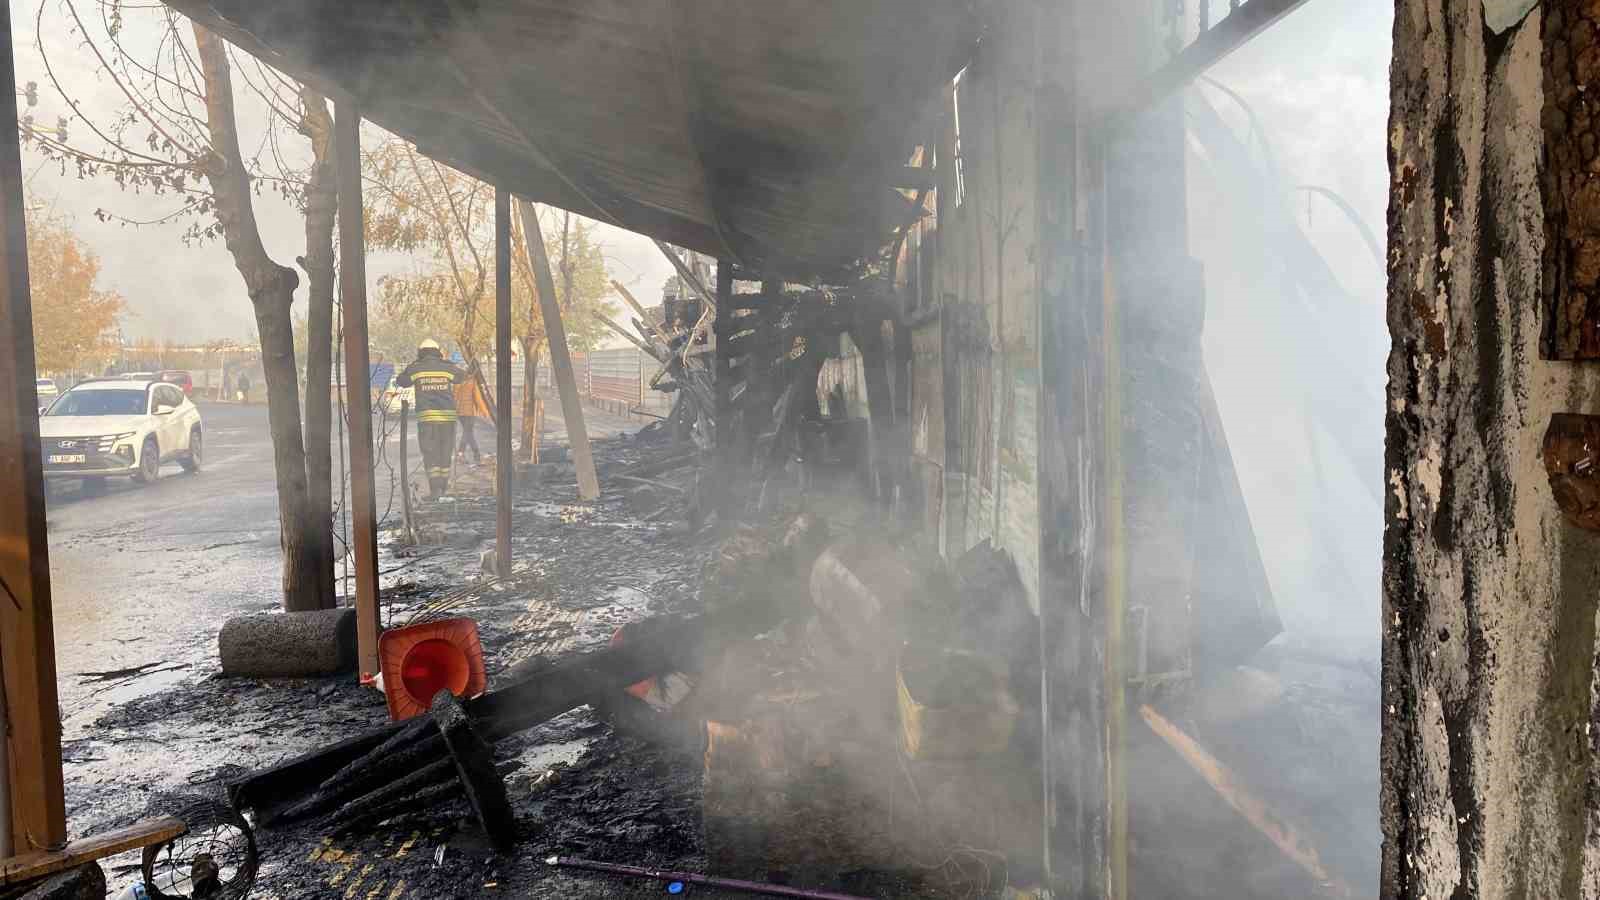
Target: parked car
x: 45, y: 389
x: 138, y: 376
x: 180, y: 378
x: 393, y: 394
x: 105, y: 428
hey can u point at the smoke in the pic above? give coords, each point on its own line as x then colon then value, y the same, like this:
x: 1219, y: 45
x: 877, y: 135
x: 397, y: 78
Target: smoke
x: 1299, y: 378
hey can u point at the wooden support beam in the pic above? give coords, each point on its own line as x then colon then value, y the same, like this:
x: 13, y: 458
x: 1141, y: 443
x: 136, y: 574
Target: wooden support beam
x: 689, y: 277
x: 38, y: 864
x: 32, y: 749
x: 1283, y: 834
x: 723, y: 387
x: 504, y: 465
x: 607, y: 321
x: 358, y: 382
x: 644, y: 316
x: 560, y: 355
x: 1084, y: 839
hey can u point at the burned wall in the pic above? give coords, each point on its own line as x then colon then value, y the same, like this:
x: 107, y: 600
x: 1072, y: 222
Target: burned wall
x: 1489, y: 597
x: 975, y: 349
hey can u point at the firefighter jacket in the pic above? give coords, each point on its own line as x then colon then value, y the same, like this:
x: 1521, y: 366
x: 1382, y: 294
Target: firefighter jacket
x: 435, y: 379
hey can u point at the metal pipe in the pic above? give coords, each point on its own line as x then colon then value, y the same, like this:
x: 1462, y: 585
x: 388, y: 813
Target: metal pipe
x: 733, y: 884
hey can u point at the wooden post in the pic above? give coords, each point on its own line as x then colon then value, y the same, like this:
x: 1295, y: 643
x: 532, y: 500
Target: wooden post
x: 503, y: 463
x: 405, y: 475
x: 38, y: 818
x: 1080, y: 661
x: 560, y: 356
x: 725, y: 433
x: 353, y: 300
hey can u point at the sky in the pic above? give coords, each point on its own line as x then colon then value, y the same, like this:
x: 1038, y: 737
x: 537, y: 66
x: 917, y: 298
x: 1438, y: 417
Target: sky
x: 191, y: 293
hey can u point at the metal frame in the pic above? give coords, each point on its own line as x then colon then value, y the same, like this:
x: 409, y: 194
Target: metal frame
x: 1214, y: 44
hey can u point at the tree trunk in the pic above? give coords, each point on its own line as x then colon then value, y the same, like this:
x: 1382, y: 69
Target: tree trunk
x: 1489, y: 596
x: 271, y: 289
x: 322, y: 206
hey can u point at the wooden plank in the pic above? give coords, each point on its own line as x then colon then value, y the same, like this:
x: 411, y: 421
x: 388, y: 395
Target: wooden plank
x: 723, y: 383
x: 644, y: 316
x: 32, y: 775
x: 358, y: 378
x: 560, y: 354
x: 98, y: 846
x: 1273, y: 826
x: 643, y: 347
x: 503, y: 463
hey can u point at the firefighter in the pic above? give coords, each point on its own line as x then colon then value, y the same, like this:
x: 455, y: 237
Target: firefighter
x: 435, y: 379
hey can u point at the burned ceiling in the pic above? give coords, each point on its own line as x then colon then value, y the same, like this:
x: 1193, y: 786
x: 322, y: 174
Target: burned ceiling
x: 768, y: 133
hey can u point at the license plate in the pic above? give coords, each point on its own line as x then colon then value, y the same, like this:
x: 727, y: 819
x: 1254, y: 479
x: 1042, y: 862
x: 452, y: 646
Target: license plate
x: 65, y: 458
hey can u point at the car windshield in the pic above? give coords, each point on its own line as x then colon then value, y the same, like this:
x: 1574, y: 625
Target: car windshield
x: 99, y: 403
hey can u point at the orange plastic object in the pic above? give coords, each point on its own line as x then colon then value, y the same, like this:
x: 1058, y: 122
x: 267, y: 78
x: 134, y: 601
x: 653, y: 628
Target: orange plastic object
x: 640, y: 689
x: 419, y: 661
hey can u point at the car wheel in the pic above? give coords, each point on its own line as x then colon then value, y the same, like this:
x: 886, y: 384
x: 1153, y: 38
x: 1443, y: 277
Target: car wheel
x: 191, y: 460
x: 149, y: 462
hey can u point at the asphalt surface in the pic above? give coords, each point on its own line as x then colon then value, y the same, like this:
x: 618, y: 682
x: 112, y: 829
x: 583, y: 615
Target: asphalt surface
x: 144, y: 575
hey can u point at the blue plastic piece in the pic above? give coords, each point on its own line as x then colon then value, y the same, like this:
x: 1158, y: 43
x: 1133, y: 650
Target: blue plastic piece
x: 675, y: 888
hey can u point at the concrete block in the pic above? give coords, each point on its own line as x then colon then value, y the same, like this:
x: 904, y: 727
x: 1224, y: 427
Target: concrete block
x: 289, y: 645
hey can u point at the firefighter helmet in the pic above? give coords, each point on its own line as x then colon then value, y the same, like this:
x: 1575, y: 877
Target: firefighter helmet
x: 428, y: 344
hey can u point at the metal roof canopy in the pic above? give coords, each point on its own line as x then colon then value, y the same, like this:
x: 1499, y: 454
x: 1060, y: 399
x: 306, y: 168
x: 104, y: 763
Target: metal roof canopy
x: 768, y: 132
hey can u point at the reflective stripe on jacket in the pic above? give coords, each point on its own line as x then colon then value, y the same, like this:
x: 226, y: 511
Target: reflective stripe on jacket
x: 434, y: 379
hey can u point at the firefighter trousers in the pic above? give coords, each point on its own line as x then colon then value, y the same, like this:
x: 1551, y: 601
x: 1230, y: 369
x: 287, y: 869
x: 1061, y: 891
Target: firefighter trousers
x: 437, y: 441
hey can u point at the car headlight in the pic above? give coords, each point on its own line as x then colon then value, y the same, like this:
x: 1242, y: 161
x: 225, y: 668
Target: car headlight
x: 110, y: 441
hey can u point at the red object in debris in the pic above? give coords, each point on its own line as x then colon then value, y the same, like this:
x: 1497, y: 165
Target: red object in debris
x: 640, y: 689
x: 419, y: 661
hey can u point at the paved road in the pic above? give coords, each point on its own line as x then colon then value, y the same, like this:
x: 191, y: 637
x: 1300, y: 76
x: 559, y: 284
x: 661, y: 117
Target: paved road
x: 148, y: 574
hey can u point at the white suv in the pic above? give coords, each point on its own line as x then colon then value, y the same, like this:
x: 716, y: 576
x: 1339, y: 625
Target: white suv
x: 100, y: 429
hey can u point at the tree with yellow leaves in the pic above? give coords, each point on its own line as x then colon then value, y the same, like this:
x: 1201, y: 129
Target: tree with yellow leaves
x: 444, y: 220
x: 72, y: 315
